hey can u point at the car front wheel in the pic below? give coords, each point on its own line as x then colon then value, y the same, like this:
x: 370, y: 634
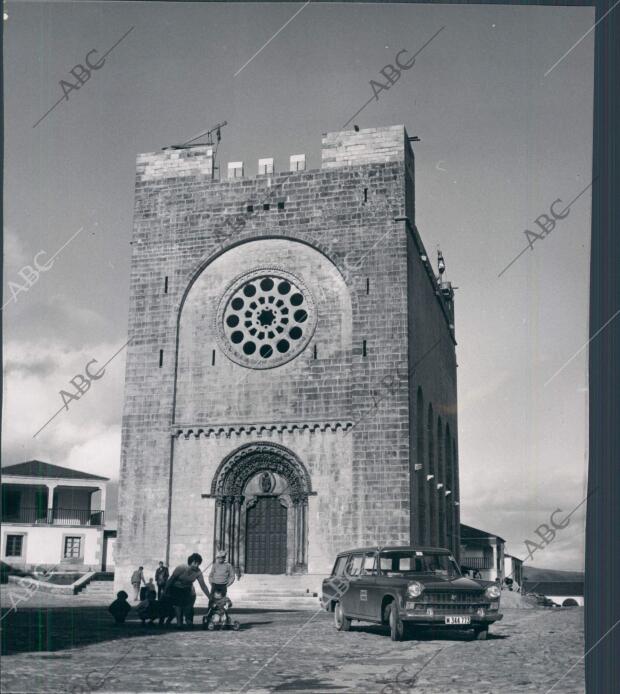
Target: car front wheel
x: 397, y: 628
x: 481, y: 634
x: 343, y: 623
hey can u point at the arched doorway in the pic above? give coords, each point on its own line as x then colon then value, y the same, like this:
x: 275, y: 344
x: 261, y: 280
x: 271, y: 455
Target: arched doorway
x: 261, y: 510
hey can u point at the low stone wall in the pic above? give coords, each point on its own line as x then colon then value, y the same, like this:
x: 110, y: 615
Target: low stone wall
x: 33, y: 585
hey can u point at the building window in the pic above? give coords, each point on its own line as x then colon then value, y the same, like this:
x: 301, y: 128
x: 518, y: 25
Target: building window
x: 265, y: 319
x: 73, y: 548
x: 14, y: 545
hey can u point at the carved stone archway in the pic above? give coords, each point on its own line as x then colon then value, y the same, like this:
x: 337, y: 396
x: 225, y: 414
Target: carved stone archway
x: 232, y: 501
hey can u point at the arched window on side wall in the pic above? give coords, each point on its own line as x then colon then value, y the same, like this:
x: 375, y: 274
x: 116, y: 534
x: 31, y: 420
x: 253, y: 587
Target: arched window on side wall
x: 431, y: 484
x: 420, y: 474
x: 441, y: 492
x: 456, y: 498
x: 449, y: 488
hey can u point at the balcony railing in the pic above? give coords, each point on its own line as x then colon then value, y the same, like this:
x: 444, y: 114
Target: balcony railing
x: 55, y: 516
x: 477, y: 562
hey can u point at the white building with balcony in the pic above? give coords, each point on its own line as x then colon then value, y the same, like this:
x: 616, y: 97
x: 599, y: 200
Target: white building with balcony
x: 482, y: 554
x: 52, y: 517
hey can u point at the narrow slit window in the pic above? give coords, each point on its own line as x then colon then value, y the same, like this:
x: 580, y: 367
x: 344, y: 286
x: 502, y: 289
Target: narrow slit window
x: 166, y: 284
x: 368, y: 285
x: 364, y: 348
x: 213, y: 358
x: 314, y: 350
x: 365, y: 194
x: 161, y: 358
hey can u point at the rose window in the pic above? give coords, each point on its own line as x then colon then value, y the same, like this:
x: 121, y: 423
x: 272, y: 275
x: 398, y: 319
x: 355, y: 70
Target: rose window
x: 266, y: 318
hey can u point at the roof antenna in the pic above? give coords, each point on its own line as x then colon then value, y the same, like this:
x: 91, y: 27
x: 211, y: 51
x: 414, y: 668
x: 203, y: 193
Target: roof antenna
x: 216, y: 129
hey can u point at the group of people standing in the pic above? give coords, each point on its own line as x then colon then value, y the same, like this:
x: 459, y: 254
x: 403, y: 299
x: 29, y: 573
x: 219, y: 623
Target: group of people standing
x: 161, y: 578
x: 174, y: 595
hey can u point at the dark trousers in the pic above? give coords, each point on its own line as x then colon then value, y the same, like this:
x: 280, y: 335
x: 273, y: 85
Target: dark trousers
x: 220, y: 587
x: 160, y: 590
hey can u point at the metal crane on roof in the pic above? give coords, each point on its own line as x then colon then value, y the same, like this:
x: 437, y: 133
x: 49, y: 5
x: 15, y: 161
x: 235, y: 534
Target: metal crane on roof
x: 188, y: 144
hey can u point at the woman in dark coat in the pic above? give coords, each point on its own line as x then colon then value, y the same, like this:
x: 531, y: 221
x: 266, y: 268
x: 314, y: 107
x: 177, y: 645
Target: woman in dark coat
x: 179, y: 588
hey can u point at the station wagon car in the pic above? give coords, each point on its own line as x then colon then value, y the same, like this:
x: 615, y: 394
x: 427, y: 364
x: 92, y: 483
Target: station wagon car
x: 405, y: 588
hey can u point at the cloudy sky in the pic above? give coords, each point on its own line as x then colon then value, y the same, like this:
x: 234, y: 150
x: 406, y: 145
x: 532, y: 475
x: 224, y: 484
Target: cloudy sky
x: 503, y: 134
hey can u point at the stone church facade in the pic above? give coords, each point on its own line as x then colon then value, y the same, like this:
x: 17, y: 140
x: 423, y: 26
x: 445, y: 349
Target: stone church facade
x: 291, y: 373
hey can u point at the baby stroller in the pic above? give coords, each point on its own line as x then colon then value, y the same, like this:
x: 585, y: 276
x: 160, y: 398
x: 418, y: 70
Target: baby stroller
x: 218, y: 617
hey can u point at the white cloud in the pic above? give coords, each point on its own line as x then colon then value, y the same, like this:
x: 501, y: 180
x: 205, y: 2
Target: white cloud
x: 99, y: 454
x: 85, y: 434
x: 15, y: 254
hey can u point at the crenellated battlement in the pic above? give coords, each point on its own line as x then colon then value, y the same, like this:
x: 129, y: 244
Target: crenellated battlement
x: 339, y: 149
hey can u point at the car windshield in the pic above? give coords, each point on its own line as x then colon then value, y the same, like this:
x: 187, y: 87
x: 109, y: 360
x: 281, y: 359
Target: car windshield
x: 408, y: 562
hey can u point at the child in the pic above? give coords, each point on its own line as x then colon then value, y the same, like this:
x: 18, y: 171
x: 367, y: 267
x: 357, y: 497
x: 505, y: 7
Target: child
x: 165, y: 610
x: 218, y: 608
x: 119, y: 609
x: 147, y: 609
x: 150, y: 588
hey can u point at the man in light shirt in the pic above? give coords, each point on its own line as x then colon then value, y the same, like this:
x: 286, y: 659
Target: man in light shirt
x: 222, y: 573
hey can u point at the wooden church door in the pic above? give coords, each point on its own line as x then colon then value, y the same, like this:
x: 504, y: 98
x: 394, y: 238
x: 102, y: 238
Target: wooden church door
x: 265, y: 551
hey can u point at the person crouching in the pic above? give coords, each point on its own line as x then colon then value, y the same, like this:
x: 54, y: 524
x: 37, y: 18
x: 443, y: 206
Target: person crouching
x: 147, y: 608
x: 120, y: 608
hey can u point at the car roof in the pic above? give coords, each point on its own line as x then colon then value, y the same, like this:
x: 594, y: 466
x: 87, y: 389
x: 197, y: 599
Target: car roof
x: 395, y: 548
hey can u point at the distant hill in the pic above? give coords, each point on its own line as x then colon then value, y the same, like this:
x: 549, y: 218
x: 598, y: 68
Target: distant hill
x: 531, y: 574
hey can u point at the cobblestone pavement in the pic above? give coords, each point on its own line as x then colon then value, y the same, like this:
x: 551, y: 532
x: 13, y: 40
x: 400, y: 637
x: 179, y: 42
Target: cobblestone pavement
x: 55, y: 644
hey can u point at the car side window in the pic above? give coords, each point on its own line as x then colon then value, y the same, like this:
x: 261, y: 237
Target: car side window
x: 341, y: 562
x: 370, y: 561
x: 354, y: 566
x: 405, y: 564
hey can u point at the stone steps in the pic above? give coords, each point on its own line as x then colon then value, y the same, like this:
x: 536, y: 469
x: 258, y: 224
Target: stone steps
x: 98, y: 589
x: 259, y: 602
x: 273, y: 592
x: 250, y: 592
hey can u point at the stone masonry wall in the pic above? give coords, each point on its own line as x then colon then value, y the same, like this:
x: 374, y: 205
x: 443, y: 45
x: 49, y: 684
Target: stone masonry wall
x: 184, y: 220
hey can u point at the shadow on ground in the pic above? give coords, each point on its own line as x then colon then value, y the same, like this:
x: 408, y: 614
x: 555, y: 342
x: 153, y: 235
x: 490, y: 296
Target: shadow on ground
x: 52, y: 629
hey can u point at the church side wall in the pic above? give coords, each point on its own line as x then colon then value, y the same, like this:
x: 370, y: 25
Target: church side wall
x: 432, y: 367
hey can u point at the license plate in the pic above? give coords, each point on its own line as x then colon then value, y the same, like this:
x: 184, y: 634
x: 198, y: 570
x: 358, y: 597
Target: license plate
x: 458, y: 620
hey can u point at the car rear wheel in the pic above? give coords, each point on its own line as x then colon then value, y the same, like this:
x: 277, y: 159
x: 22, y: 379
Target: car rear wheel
x: 481, y: 634
x: 343, y: 623
x: 397, y: 628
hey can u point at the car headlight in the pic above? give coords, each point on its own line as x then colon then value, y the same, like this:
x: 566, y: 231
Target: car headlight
x: 493, y: 592
x: 414, y: 589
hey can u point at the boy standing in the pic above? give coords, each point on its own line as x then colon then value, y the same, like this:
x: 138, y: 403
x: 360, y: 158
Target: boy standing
x: 222, y: 574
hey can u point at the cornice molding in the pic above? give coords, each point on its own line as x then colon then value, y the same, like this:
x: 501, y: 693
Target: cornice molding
x: 261, y: 429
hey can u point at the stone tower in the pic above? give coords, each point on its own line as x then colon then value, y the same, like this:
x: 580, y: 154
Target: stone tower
x: 291, y: 377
